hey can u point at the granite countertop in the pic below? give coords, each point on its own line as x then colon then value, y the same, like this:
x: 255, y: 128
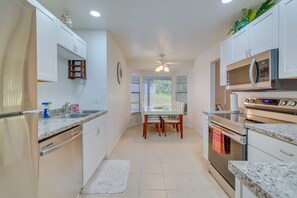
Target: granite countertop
x: 217, y: 112
x: 284, y: 132
x: 52, y: 126
x: 267, y: 179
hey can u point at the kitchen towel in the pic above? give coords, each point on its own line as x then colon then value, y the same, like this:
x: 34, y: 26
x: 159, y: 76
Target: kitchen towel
x: 218, y: 141
x: 234, y: 102
x: 110, y: 177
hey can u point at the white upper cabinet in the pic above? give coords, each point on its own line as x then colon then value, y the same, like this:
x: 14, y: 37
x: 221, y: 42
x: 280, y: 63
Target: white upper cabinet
x: 80, y: 46
x: 46, y: 46
x: 226, y: 58
x: 264, y: 32
x: 71, y: 42
x: 258, y: 36
x: 64, y: 36
x: 288, y: 39
x: 241, y: 45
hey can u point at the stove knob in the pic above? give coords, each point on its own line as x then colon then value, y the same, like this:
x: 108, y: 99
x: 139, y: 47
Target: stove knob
x: 253, y: 100
x: 283, y: 103
x: 292, y: 103
x: 247, y: 100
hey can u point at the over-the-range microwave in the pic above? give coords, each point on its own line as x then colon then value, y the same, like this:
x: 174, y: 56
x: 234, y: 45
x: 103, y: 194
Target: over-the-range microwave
x: 259, y: 72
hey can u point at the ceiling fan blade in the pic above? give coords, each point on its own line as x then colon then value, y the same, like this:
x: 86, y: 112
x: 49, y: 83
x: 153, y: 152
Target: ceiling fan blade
x: 160, y: 62
x: 172, y: 63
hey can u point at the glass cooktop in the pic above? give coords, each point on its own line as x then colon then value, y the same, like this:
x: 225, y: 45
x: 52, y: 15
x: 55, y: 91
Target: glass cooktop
x: 246, y: 118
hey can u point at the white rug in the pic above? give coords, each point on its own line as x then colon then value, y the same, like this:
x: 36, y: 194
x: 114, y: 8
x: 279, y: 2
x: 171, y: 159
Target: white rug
x: 110, y: 177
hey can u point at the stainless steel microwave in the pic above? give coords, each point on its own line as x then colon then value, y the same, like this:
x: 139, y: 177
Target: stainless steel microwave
x: 259, y: 72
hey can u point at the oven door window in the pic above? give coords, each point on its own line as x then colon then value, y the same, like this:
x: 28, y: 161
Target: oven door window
x: 233, y: 151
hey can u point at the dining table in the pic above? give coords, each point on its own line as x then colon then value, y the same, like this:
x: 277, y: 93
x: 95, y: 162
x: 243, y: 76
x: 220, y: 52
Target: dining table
x: 160, y: 111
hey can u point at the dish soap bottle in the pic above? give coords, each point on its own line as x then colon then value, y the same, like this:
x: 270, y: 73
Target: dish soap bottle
x: 46, y: 113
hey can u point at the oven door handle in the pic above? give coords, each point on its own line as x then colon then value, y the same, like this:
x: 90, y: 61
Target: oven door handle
x: 238, y: 138
x: 241, y: 140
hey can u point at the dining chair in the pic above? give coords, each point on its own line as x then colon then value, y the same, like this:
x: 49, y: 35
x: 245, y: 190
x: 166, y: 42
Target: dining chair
x: 173, y: 120
x: 151, y: 120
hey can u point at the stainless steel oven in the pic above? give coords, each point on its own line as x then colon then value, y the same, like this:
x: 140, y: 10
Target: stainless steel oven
x: 259, y: 72
x: 235, y: 148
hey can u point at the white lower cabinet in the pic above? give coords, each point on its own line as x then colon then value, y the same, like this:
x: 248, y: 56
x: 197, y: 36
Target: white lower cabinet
x: 205, y: 137
x: 94, y: 146
x: 262, y: 148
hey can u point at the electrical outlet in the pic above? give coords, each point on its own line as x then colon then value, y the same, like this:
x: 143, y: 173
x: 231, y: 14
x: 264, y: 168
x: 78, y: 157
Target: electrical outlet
x: 95, y: 99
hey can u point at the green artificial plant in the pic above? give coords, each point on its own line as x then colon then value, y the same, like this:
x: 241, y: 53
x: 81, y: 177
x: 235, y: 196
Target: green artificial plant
x: 248, y: 15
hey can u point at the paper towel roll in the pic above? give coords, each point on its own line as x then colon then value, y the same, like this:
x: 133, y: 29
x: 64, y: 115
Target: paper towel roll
x: 234, y: 102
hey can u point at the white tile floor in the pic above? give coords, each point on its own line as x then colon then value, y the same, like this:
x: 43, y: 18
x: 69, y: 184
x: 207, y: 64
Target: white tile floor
x: 164, y: 167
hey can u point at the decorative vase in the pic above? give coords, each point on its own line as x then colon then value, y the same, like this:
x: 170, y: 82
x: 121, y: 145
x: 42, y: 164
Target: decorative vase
x: 66, y: 19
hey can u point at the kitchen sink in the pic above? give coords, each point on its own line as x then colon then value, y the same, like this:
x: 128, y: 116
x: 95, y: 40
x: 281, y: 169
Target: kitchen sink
x: 91, y: 111
x: 73, y: 115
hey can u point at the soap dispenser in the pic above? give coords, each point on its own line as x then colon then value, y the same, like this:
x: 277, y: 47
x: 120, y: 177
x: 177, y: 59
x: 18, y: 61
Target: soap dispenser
x: 46, y: 113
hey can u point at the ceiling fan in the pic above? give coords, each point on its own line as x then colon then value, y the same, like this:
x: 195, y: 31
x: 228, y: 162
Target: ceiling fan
x: 163, y: 64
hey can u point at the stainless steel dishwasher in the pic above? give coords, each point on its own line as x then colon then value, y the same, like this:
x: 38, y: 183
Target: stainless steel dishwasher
x: 60, y: 165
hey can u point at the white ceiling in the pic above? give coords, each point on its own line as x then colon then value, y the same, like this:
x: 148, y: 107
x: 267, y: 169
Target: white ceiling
x: 182, y: 29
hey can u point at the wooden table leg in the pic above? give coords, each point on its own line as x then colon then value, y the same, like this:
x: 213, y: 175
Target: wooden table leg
x: 145, y: 125
x: 181, y: 120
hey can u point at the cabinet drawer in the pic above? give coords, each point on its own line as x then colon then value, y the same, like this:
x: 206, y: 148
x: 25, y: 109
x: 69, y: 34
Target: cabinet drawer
x: 277, y: 148
x: 92, y: 124
x: 256, y: 155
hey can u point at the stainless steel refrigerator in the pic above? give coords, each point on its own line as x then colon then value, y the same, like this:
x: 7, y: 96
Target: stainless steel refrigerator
x: 18, y: 83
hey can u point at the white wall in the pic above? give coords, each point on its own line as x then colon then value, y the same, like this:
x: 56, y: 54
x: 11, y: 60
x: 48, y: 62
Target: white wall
x: 202, y: 84
x: 118, y: 94
x: 60, y: 92
x: 83, y: 92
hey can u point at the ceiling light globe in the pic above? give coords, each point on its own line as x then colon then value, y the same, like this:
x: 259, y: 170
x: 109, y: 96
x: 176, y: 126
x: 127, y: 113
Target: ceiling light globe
x: 166, y: 69
x: 226, y: 1
x: 95, y: 13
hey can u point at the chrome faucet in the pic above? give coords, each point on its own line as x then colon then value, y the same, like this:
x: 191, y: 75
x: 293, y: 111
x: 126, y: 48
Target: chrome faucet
x: 65, y: 107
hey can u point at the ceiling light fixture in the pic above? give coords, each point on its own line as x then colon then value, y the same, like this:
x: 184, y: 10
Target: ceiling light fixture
x: 166, y: 69
x: 226, y: 1
x: 95, y: 13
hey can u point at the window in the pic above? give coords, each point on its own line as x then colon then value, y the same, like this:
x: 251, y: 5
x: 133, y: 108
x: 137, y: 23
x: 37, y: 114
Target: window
x: 181, y: 89
x: 157, y: 91
x: 135, y: 94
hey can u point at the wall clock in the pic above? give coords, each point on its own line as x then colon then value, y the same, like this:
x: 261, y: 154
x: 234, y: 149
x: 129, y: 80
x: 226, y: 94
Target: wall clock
x: 119, y: 72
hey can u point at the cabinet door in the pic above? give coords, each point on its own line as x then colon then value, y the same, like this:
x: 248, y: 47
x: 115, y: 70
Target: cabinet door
x: 46, y: 46
x: 264, y: 32
x: 205, y: 137
x: 94, y: 151
x: 101, y: 145
x: 65, y: 36
x: 288, y: 39
x: 90, y: 142
x: 241, y: 47
x: 80, y: 47
x: 226, y: 58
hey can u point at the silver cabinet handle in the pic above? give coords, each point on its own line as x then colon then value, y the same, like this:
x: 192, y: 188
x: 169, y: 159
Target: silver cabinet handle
x: 58, y: 146
x: 98, y: 131
x: 250, y: 52
x: 286, y: 153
